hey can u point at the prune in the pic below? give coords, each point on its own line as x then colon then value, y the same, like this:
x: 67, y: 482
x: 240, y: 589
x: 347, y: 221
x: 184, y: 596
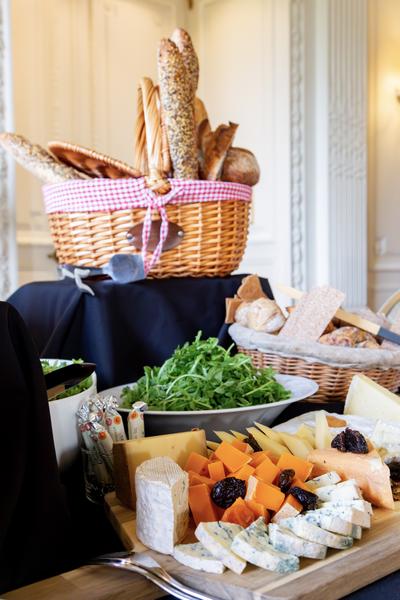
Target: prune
x: 307, y: 499
x: 285, y: 480
x: 394, y: 468
x: 226, y: 491
x: 252, y: 442
x: 350, y: 440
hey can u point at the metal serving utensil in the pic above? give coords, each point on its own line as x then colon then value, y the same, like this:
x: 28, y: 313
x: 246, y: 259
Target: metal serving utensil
x: 144, y: 564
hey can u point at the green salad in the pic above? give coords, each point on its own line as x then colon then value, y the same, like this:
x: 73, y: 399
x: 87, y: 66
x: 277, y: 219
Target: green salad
x: 76, y: 389
x: 202, y: 375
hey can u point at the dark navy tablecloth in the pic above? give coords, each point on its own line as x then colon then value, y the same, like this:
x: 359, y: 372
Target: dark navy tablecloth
x: 124, y: 326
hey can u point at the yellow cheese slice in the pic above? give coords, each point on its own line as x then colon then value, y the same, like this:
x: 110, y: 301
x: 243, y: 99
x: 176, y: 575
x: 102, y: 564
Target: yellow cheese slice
x: 266, y: 443
x: 369, y: 399
x: 274, y: 435
x: 224, y: 436
x: 296, y: 445
x: 128, y: 455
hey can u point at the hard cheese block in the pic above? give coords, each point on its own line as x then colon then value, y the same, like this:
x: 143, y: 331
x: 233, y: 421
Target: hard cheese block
x: 162, y: 509
x: 369, y: 399
x: 369, y: 471
x: 128, y: 455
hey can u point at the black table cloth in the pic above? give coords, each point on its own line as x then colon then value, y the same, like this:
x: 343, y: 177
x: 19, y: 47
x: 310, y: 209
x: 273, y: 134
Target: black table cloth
x: 124, y: 326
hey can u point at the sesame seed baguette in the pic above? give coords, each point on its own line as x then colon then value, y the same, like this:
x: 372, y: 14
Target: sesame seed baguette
x: 183, y: 41
x: 176, y: 98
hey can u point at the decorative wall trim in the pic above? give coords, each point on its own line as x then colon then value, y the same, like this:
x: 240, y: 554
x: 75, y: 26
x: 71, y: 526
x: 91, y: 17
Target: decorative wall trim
x: 297, y: 138
x: 7, y: 217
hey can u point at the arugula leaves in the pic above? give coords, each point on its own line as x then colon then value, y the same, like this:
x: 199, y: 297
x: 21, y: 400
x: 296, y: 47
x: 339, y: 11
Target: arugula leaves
x: 202, y: 375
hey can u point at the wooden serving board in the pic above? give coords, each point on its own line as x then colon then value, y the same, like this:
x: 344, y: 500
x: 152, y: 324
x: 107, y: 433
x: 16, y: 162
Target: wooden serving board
x: 342, y: 572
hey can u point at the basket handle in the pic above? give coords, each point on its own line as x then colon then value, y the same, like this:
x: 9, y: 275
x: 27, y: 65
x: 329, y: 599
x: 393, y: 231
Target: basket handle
x: 390, y: 304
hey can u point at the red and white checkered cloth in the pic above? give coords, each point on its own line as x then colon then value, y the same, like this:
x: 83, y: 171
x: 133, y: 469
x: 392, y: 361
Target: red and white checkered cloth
x: 106, y: 195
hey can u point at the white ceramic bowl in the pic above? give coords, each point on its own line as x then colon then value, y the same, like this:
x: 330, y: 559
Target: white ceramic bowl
x: 64, y: 422
x: 159, y: 422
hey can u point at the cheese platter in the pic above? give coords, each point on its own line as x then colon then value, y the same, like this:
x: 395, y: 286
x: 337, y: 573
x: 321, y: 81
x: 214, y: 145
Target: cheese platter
x: 267, y: 512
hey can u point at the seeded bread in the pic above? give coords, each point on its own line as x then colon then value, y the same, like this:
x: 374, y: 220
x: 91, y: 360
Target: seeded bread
x: 176, y: 96
x: 183, y: 41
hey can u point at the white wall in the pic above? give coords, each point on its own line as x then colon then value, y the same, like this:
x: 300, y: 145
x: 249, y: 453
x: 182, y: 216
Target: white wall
x: 384, y: 147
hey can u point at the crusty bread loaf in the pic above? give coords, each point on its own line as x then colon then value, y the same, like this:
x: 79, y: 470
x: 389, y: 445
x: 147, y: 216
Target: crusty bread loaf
x: 176, y: 96
x: 240, y: 166
x: 214, y: 146
x: 37, y: 160
x: 183, y: 41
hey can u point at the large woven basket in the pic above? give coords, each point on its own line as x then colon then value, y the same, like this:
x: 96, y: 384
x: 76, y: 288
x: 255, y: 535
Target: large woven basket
x: 215, y: 228
x: 333, y: 381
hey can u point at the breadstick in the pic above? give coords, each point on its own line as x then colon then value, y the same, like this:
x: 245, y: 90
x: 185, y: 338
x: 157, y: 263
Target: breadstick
x: 183, y: 41
x: 176, y: 97
x: 37, y: 160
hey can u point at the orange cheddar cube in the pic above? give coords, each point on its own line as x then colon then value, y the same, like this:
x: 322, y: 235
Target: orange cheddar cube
x: 244, y: 473
x: 258, y: 457
x: 232, y: 458
x: 267, y: 471
x: 302, y: 468
x: 201, y: 504
x: 216, y: 470
x: 196, y: 479
x: 298, y: 483
x: 293, y: 502
x: 266, y: 494
x: 239, y: 513
x: 197, y: 463
x: 242, y: 446
x: 258, y: 509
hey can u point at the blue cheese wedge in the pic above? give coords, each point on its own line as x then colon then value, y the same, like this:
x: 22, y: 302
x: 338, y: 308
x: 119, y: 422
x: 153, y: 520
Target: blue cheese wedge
x: 285, y: 512
x: 198, y: 557
x: 327, y: 479
x: 162, y: 506
x: 341, y: 491
x: 313, y: 533
x: 331, y: 521
x: 284, y: 540
x: 217, y: 538
x: 252, y: 544
x: 354, y: 510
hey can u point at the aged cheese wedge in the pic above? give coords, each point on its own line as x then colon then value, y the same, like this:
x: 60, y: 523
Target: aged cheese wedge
x: 217, y: 538
x: 286, y: 541
x: 224, y: 436
x: 162, y: 510
x: 369, y: 471
x: 369, y: 399
x: 238, y: 435
x: 271, y: 433
x: 308, y: 531
x: 252, y: 545
x: 128, y: 455
x: 197, y: 557
x: 307, y: 433
x: 297, y: 446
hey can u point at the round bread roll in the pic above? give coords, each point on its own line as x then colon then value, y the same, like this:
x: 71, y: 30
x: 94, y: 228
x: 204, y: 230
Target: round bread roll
x: 352, y: 337
x: 261, y: 315
x: 240, y: 166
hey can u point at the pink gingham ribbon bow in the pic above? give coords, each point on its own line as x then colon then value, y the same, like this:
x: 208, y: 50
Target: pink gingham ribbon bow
x: 156, y: 202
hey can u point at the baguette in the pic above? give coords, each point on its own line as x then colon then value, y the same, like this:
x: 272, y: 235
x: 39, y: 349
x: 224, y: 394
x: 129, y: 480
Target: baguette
x: 37, y: 160
x: 176, y: 96
x: 183, y: 41
x: 240, y: 166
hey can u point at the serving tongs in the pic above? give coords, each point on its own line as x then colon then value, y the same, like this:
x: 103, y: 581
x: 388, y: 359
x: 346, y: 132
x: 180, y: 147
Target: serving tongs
x: 61, y: 379
x: 143, y: 564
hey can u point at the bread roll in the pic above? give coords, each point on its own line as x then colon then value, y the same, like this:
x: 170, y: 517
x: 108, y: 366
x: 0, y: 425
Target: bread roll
x: 214, y: 146
x: 183, y: 41
x: 351, y: 337
x: 261, y: 315
x: 240, y: 166
x: 176, y: 96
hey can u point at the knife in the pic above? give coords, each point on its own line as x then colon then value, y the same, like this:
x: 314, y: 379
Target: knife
x: 59, y: 380
x: 350, y: 318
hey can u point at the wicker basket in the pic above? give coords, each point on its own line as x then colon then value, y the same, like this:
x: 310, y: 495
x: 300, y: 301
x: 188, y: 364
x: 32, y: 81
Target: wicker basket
x: 215, y: 236
x: 333, y: 381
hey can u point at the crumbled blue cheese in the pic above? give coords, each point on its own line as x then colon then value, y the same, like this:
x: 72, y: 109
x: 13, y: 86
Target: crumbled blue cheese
x: 198, y: 557
x: 286, y: 541
x: 313, y: 533
x: 252, y: 544
x: 217, y: 538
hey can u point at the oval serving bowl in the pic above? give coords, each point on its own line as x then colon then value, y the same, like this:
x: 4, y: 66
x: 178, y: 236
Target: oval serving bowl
x: 160, y: 422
